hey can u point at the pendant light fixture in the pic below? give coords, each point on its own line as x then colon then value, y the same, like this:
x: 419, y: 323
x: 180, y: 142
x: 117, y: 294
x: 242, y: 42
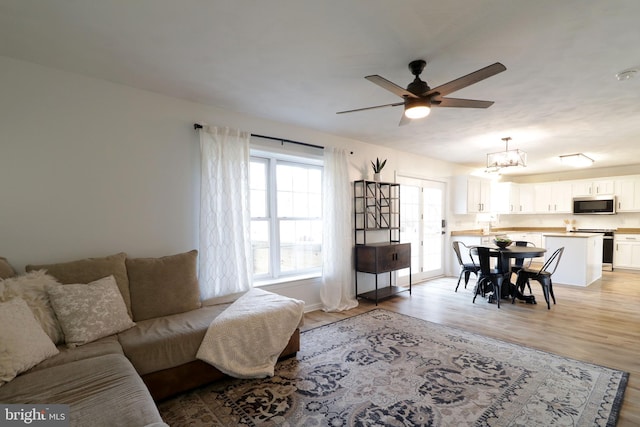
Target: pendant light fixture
x: 506, y: 158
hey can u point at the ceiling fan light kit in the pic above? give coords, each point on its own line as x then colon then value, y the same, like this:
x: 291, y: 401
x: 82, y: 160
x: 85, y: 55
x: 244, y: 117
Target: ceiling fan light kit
x: 577, y: 160
x: 506, y: 158
x: 416, y: 108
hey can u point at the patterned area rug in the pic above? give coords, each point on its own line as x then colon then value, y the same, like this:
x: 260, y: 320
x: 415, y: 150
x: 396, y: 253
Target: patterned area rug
x: 387, y: 369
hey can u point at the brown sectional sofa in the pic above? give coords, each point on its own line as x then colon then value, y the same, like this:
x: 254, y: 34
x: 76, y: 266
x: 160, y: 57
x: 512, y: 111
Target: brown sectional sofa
x: 115, y: 379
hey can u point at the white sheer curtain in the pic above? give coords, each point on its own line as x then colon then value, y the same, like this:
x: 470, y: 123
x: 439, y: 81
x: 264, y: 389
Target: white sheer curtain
x: 225, y: 242
x: 337, y: 291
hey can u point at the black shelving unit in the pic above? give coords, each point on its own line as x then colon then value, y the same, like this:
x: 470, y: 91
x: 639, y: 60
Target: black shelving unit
x: 377, y: 209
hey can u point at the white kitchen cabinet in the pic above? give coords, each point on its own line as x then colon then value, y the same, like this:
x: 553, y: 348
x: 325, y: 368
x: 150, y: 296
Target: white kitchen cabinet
x: 627, y: 192
x: 607, y: 186
x: 626, y: 252
x: 561, y: 197
x: 542, y: 198
x: 512, y: 198
x: 475, y: 240
x: 504, y: 196
x: 552, y: 197
x: 589, y: 187
x: 535, y: 238
x: 527, y: 198
x: 471, y: 195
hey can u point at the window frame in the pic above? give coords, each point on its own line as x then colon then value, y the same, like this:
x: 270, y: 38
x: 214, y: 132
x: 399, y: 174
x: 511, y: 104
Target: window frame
x: 272, y: 158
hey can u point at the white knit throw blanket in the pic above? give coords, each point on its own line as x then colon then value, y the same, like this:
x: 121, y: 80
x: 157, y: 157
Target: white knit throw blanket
x: 245, y: 340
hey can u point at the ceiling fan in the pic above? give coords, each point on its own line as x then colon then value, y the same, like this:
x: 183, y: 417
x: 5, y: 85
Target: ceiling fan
x: 419, y: 97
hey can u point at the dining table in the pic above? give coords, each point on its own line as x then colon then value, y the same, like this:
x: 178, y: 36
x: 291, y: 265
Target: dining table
x: 503, y: 264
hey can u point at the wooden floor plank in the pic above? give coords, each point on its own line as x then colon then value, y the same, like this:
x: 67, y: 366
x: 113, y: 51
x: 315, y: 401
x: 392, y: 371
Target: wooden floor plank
x: 599, y: 324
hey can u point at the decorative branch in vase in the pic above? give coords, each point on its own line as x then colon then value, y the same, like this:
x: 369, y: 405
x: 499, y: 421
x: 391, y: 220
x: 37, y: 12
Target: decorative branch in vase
x: 377, y: 167
x: 569, y: 224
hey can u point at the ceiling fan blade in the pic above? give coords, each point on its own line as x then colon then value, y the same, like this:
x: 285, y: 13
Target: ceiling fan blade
x: 461, y: 103
x: 468, y: 80
x: 395, y: 104
x: 390, y: 86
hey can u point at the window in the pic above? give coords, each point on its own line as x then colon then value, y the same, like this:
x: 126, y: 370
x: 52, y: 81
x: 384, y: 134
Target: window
x: 286, y: 210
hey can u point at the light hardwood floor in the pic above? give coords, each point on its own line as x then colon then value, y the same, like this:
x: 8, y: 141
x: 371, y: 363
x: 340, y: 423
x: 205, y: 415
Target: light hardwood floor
x: 599, y: 324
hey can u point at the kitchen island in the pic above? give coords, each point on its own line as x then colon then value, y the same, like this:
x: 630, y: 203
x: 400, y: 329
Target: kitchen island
x: 581, y: 262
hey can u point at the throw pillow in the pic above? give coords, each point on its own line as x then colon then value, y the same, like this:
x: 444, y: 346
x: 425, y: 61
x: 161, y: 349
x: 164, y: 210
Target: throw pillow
x: 33, y: 289
x: 5, y: 269
x: 90, y: 269
x: 23, y: 343
x: 89, y: 312
x: 163, y: 286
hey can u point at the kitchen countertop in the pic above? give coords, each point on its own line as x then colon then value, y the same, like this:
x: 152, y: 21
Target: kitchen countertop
x: 503, y: 231
x: 477, y: 233
x: 628, y: 230
x: 506, y: 230
x: 572, y: 234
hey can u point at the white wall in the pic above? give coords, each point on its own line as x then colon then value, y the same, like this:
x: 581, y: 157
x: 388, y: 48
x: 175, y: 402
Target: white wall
x: 91, y: 168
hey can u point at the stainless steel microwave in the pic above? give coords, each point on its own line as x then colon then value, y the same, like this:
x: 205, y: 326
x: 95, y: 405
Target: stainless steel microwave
x: 595, y: 205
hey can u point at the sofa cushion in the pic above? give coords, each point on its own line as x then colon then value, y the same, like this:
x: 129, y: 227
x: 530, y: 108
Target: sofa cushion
x: 88, y: 312
x: 90, y: 269
x: 100, y: 347
x: 23, y: 342
x: 101, y: 391
x: 169, y: 341
x: 163, y: 286
x: 5, y: 269
x: 33, y: 288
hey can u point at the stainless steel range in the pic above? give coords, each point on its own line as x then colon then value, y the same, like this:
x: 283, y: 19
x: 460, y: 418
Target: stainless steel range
x: 607, y: 244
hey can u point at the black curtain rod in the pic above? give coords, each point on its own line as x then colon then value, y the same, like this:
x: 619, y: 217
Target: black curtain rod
x: 288, y: 140
x: 282, y: 140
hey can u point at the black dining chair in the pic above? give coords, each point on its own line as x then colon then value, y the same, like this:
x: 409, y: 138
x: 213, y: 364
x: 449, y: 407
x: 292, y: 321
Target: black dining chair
x: 543, y: 276
x: 466, y: 268
x: 493, y: 276
x: 520, y: 263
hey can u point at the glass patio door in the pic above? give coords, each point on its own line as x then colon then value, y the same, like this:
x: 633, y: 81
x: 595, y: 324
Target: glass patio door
x: 422, y: 213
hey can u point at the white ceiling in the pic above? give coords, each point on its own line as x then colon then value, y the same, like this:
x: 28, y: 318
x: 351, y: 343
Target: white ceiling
x: 301, y: 61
